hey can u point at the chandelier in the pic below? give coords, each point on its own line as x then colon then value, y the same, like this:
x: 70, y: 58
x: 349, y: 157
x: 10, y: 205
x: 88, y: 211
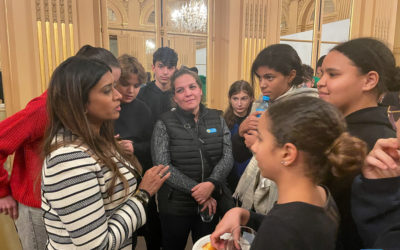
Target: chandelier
x: 191, y: 17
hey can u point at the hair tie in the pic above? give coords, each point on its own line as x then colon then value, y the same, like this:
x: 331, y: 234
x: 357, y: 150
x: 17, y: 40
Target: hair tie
x: 334, y: 143
x: 329, y: 150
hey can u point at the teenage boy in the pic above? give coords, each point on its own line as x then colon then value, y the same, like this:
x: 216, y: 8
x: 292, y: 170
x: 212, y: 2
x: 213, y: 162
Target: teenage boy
x: 157, y: 94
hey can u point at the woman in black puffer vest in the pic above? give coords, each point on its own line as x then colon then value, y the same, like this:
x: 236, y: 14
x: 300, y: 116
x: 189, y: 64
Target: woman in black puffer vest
x: 195, y: 142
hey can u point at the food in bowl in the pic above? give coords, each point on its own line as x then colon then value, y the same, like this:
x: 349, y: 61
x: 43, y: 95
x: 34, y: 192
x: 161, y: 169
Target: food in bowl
x: 208, y: 246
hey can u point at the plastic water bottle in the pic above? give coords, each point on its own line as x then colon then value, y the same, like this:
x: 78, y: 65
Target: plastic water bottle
x: 263, y: 105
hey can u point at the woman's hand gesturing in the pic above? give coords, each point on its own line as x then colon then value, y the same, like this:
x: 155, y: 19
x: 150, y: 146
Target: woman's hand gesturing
x: 154, y: 178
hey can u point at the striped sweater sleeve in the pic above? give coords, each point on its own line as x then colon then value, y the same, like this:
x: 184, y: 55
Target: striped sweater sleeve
x: 75, y: 214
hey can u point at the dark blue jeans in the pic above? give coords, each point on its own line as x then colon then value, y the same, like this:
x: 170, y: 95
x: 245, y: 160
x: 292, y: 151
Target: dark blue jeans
x: 176, y: 228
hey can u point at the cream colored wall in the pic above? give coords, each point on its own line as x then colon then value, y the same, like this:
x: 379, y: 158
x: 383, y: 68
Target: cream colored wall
x: 239, y: 30
x: 89, y: 14
x: 379, y: 19
x: 31, y: 44
x: 224, y: 51
x: 21, y: 75
x: 375, y: 18
x: 396, y: 45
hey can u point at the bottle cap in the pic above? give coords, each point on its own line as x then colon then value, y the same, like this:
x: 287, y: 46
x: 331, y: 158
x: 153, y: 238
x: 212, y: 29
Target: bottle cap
x: 266, y: 98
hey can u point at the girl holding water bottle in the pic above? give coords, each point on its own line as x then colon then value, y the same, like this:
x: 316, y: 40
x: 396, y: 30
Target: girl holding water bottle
x: 300, y: 140
x: 278, y: 69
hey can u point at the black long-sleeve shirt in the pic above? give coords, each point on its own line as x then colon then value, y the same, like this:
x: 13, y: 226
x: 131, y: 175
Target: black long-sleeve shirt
x: 376, y: 211
x: 296, y: 226
x: 157, y: 100
x: 135, y: 123
x: 368, y: 124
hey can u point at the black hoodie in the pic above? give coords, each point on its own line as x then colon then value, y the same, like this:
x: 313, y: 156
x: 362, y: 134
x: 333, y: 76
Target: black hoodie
x: 369, y: 124
x: 135, y: 123
x: 157, y: 100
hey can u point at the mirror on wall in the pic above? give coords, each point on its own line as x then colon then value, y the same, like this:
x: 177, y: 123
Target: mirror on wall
x: 336, y: 24
x: 297, y: 27
x: 313, y: 27
x: 132, y: 29
x: 139, y: 27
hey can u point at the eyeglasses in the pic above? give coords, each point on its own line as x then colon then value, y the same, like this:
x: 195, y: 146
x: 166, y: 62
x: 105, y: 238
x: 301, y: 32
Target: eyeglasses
x: 393, y: 115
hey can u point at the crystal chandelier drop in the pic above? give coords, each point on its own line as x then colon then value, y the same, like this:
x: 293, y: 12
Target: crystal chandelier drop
x: 191, y: 17
x: 150, y: 46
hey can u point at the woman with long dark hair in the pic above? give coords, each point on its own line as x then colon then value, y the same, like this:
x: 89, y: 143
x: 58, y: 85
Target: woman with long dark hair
x: 90, y: 192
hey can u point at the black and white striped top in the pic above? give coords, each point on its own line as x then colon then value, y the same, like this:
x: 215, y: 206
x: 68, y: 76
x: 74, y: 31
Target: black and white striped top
x: 78, y: 212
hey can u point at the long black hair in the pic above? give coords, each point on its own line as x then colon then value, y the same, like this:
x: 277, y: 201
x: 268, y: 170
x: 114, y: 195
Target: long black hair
x: 281, y: 58
x: 67, y: 98
x: 369, y: 54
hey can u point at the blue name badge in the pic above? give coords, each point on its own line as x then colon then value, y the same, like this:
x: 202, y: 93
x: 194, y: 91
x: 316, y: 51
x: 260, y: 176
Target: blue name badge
x: 211, y: 130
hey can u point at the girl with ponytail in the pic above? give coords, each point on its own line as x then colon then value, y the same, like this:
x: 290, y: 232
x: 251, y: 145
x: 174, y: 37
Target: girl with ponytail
x: 300, y: 141
x: 355, y: 74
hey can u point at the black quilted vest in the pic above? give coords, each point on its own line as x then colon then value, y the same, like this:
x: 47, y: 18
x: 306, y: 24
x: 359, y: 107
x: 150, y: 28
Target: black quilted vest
x: 186, y: 155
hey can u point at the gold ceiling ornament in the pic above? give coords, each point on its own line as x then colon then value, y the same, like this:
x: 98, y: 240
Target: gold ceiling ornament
x: 46, y: 11
x: 62, y: 11
x: 38, y: 8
